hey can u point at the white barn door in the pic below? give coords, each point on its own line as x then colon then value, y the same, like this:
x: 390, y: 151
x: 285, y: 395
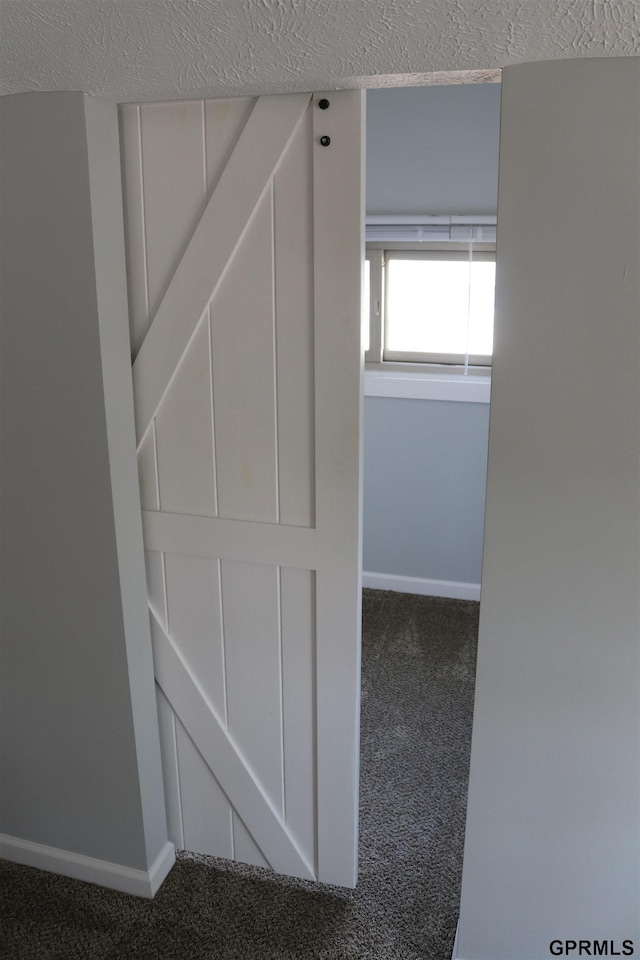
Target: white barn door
x: 244, y: 252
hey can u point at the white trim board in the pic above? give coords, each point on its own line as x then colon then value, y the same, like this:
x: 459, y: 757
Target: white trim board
x: 452, y: 589
x: 140, y: 883
x: 421, y: 386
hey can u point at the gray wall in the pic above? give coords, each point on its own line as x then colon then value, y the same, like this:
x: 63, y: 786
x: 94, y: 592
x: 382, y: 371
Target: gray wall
x: 80, y: 760
x: 429, y: 150
x: 553, y: 835
x: 425, y: 464
x: 433, y: 150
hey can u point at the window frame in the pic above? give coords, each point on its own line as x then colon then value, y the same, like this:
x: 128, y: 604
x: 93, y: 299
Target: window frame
x: 377, y: 357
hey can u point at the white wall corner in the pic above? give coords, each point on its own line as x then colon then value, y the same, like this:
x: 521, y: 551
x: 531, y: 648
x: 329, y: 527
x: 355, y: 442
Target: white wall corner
x: 115, y: 876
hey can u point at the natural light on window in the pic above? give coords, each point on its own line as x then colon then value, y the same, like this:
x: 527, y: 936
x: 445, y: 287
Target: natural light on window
x: 439, y: 306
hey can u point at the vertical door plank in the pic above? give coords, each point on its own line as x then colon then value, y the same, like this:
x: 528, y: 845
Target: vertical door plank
x: 244, y: 377
x: 206, y: 812
x: 251, y: 612
x: 299, y: 706
x: 245, y: 848
x: 224, y: 122
x: 184, y: 435
x: 193, y: 604
x: 147, y: 471
x: 155, y: 584
x: 174, y: 186
x: 293, y: 194
x: 170, y: 772
x: 133, y: 188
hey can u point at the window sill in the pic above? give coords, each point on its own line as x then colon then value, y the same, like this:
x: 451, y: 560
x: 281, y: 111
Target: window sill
x: 416, y: 384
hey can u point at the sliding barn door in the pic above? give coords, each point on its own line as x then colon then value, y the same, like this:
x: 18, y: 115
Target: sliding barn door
x: 244, y: 250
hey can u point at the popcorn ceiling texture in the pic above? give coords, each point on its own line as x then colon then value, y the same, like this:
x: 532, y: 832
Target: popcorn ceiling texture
x: 137, y: 50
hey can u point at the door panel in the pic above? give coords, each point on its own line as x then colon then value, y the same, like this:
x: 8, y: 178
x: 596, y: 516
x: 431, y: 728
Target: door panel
x: 247, y: 380
x: 195, y: 621
x: 174, y: 188
x: 254, y: 669
x: 244, y: 377
x: 206, y: 812
x: 183, y: 436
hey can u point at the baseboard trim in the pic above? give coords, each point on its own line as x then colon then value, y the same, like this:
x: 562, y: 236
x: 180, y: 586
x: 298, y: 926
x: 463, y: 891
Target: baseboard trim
x: 140, y: 883
x: 452, y: 589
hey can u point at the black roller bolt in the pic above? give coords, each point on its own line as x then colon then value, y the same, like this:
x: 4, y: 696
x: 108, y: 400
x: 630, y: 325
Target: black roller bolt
x: 325, y: 141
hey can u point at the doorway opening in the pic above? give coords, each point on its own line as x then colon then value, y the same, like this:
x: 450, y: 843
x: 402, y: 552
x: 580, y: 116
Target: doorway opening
x: 431, y: 199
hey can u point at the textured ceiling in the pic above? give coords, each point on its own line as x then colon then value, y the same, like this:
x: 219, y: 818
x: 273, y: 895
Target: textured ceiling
x: 166, y: 49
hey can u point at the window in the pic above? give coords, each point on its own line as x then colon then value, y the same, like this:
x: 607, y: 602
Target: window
x: 431, y: 302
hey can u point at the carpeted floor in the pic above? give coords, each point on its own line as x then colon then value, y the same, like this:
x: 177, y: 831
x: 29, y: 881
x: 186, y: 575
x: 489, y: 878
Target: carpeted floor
x: 417, y: 692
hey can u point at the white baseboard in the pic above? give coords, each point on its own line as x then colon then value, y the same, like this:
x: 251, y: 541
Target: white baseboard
x: 141, y: 883
x: 452, y: 589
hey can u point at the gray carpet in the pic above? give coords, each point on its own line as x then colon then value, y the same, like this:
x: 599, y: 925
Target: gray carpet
x: 417, y: 693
